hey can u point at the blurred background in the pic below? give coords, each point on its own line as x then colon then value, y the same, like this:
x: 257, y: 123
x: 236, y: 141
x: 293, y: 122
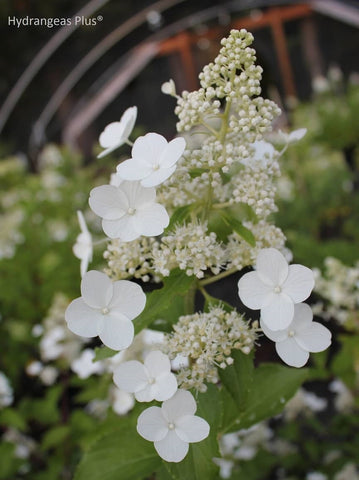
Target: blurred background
x: 60, y: 86
x: 65, y: 84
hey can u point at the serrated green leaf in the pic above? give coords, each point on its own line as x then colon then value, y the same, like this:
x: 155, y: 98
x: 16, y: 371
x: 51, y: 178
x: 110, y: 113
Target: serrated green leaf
x: 159, y: 301
x: 121, y: 454
x: 238, y: 378
x: 273, y: 385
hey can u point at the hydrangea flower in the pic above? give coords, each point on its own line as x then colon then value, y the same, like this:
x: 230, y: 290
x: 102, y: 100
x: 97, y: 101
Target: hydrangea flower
x: 83, y: 247
x: 152, y: 380
x: 173, y: 426
x: 274, y: 288
x: 153, y: 159
x: 106, y: 309
x: 117, y: 133
x: 302, y: 336
x: 128, y: 211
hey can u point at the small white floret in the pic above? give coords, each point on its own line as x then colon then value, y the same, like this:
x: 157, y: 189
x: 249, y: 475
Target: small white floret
x: 274, y: 288
x: 128, y: 211
x: 173, y: 426
x: 301, y: 337
x: 106, y: 309
x: 117, y: 133
x: 152, y: 380
x: 153, y: 159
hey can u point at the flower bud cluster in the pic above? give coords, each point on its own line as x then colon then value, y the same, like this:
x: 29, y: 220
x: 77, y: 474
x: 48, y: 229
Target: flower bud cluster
x: 191, y: 248
x: 240, y: 254
x: 207, y: 340
x: 131, y: 259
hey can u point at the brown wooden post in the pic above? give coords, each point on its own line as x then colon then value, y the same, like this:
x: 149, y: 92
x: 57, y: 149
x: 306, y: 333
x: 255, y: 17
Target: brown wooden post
x: 282, y: 52
x: 185, y: 51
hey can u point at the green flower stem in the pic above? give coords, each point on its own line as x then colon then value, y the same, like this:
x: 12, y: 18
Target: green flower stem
x: 215, y: 278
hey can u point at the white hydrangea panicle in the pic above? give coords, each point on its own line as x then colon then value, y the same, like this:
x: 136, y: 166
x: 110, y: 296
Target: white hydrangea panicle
x: 128, y: 211
x: 153, y: 159
x: 274, y: 288
x: 83, y: 248
x: 149, y: 381
x: 173, y: 426
x: 106, y: 309
x: 302, y: 336
x: 117, y: 133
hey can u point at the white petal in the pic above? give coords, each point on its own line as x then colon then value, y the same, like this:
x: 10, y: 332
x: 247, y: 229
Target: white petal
x: 299, y: 283
x: 253, y: 292
x: 117, y: 332
x: 157, y: 177
x: 125, y: 228
x: 303, y: 317
x: 297, y: 134
x: 130, y: 376
x: 272, y: 267
x: 128, y: 298
x: 84, y: 264
x: 151, y: 425
x: 151, y: 220
x: 275, y: 336
x: 108, y: 202
x: 146, y: 394
x: 82, y: 222
x: 137, y: 195
x: 316, y: 338
x: 165, y: 387
x: 172, y: 448
x: 82, y: 319
x: 182, y: 403
x: 132, y: 170
x: 128, y: 120
x: 96, y: 289
x: 157, y: 363
x: 172, y: 152
x: 291, y: 353
x: 112, y: 135
x: 149, y: 148
x: 191, y: 428
x: 279, y: 313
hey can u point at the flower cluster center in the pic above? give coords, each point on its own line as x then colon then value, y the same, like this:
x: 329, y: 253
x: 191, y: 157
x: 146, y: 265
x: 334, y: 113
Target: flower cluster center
x: 131, y: 211
x: 105, y: 311
x: 277, y: 289
x: 171, y: 426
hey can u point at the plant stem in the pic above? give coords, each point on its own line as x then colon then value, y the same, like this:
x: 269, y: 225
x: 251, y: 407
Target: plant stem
x: 215, y: 278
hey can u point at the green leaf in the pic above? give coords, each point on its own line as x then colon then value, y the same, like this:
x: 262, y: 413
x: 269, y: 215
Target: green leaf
x: 238, y: 227
x: 198, y: 464
x: 238, y: 378
x: 216, y: 302
x: 159, y: 301
x: 12, y: 418
x: 178, y: 217
x: 55, y: 436
x: 273, y: 385
x: 121, y: 454
x: 103, y: 352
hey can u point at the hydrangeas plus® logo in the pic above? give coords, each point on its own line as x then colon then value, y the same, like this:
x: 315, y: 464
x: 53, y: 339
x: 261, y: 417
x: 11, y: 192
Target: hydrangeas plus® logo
x: 50, y: 22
